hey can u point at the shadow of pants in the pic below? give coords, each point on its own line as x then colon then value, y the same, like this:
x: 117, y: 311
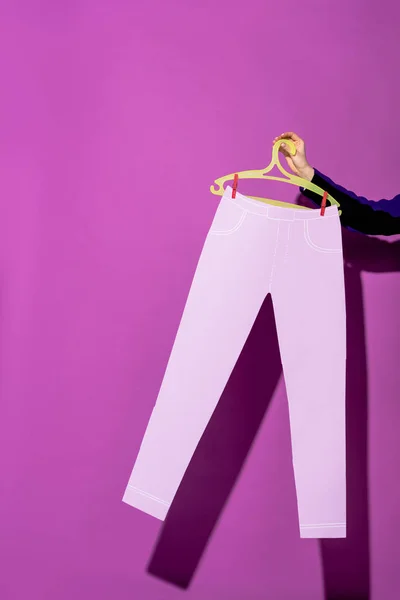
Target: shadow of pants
x: 219, y: 456
x: 228, y: 438
x: 346, y: 561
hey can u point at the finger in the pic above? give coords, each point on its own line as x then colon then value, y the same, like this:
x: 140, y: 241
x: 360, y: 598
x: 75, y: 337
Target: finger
x: 291, y: 135
x: 277, y: 139
x: 283, y: 149
x: 283, y: 136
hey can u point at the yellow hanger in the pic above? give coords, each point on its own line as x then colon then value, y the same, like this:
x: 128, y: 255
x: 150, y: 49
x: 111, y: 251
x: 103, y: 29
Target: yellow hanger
x: 262, y: 174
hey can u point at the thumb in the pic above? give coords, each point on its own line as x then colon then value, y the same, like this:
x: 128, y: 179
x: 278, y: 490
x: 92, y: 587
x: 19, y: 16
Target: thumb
x: 284, y: 149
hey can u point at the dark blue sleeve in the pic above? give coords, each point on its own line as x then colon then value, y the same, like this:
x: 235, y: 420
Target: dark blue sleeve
x: 380, y: 217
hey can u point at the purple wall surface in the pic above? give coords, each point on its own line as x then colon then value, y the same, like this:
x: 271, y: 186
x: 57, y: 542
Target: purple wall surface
x: 115, y: 118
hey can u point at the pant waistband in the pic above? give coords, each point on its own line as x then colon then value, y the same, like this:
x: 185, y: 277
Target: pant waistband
x: 278, y: 212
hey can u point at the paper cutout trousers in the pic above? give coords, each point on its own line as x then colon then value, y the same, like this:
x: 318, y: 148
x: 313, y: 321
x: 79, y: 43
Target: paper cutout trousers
x: 253, y: 249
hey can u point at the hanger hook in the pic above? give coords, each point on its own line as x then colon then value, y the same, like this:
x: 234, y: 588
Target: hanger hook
x: 275, y: 161
x: 290, y: 146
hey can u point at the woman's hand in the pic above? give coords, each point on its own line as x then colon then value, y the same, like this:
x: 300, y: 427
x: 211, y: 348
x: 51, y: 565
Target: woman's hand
x: 297, y: 163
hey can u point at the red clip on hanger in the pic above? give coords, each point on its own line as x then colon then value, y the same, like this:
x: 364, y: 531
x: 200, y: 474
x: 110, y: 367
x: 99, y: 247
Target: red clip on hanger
x: 323, y: 204
x: 235, y: 184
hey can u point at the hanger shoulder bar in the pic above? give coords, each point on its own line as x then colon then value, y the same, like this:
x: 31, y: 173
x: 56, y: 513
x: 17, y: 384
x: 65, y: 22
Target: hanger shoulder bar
x: 218, y: 187
x: 257, y: 174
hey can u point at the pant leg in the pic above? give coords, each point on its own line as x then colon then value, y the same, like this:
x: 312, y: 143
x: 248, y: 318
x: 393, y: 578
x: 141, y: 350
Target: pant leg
x: 309, y: 302
x: 228, y: 289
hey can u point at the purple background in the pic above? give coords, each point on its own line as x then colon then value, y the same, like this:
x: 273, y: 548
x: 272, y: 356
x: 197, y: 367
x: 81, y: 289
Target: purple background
x: 115, y: 117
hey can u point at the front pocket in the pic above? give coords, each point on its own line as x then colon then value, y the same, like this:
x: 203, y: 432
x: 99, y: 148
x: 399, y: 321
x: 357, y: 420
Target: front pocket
x: 323, y: 234
x: 228, y: 218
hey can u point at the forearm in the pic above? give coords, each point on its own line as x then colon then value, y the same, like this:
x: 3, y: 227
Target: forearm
x: 359, y: 213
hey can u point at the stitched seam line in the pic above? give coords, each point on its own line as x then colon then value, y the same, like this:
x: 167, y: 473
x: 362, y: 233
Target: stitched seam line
x: 147, y: 495
x: 273, y: 260
x: 322, y: 525
x: 314, y: 246
x: 318, y: 216
x: 230, y: 231
x: 287, y: 243
x: 250, y: 201
x: 311, y: 218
